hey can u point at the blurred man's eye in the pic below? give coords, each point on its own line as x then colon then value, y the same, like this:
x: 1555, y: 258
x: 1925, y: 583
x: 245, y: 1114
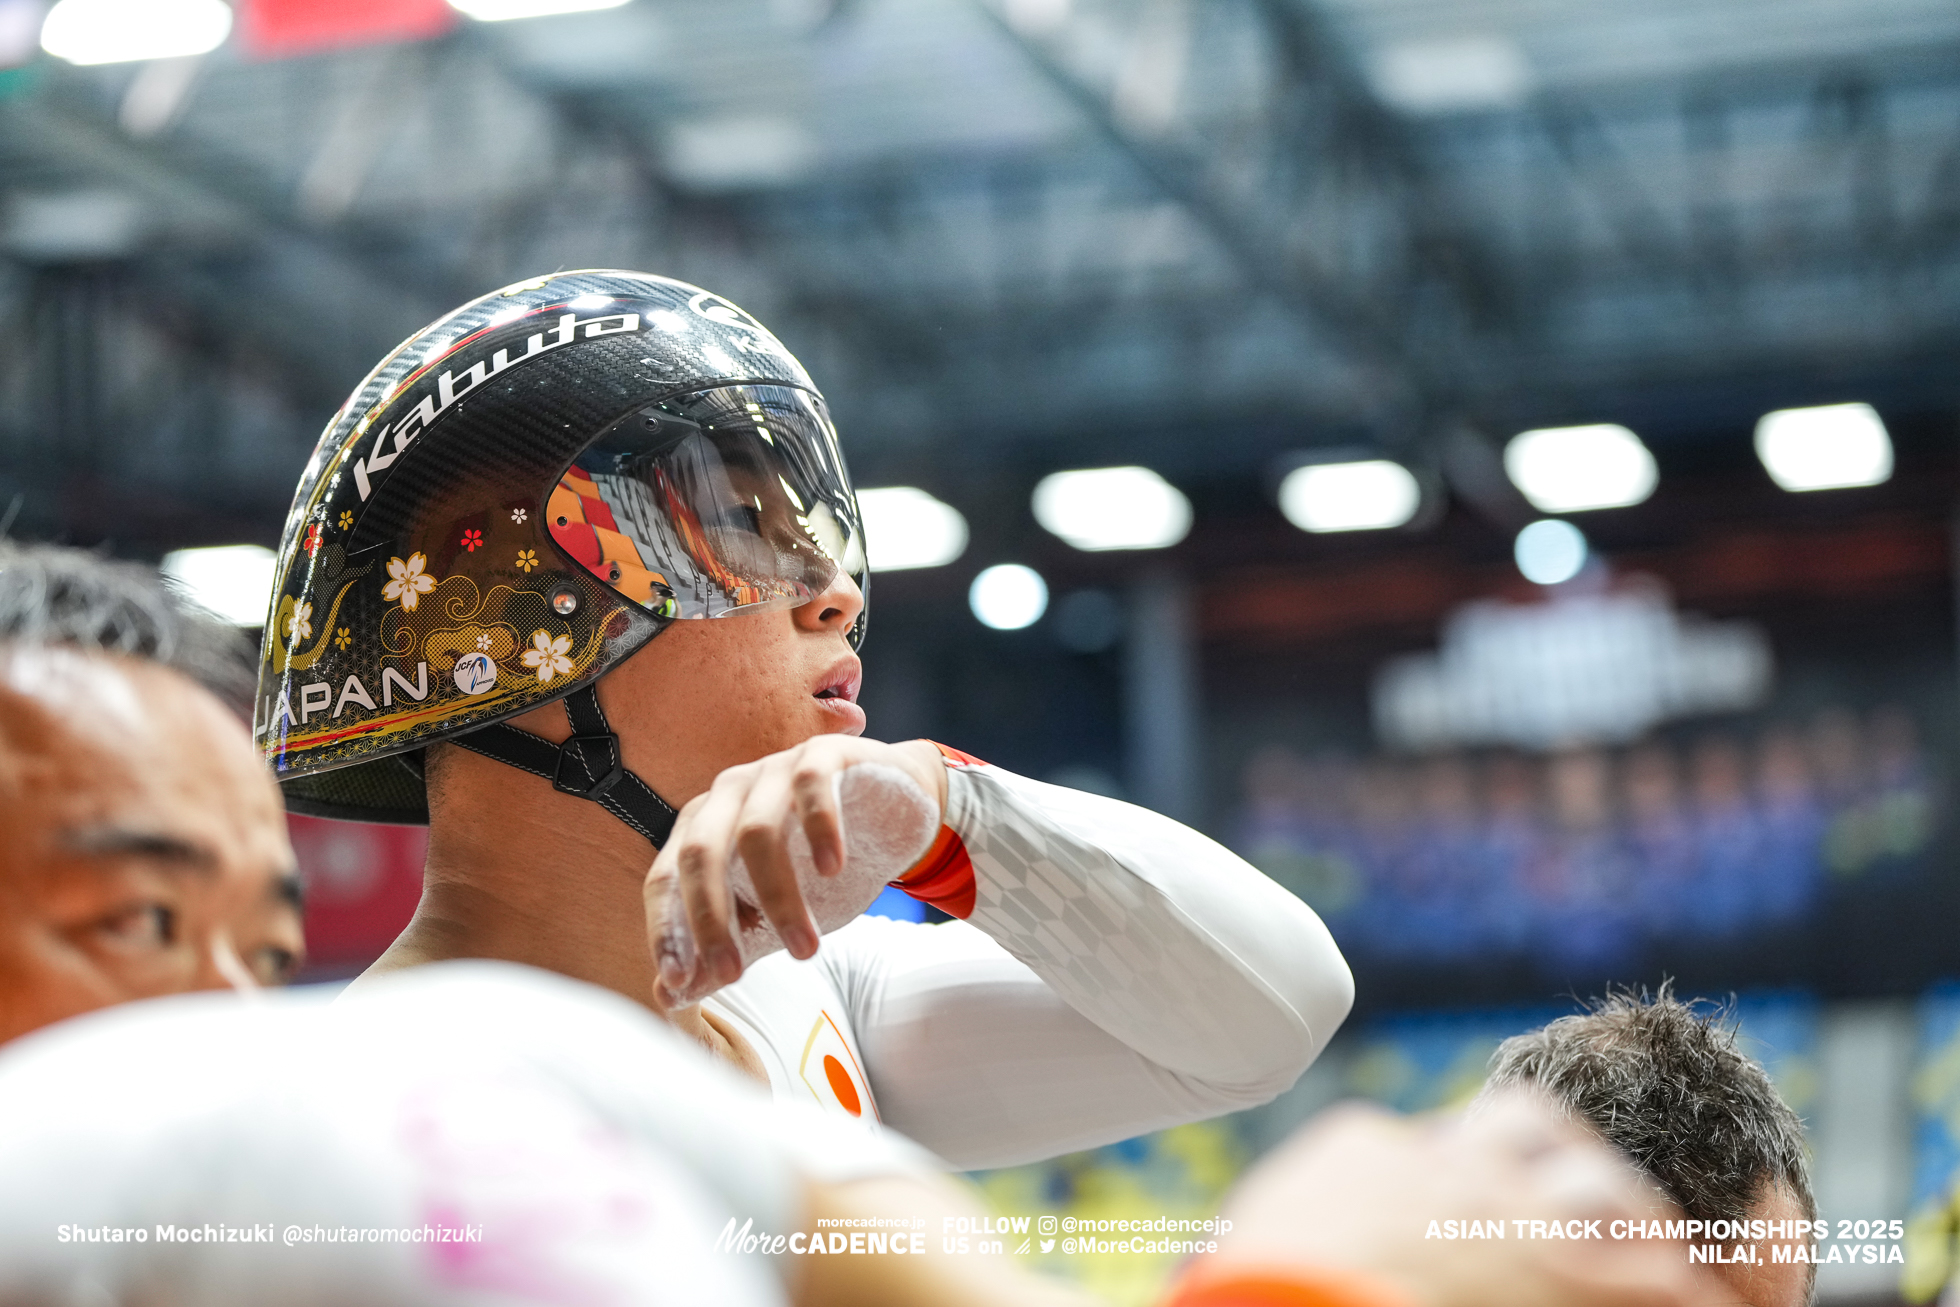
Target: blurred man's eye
x: 273, y: 965
x: 145, y: 926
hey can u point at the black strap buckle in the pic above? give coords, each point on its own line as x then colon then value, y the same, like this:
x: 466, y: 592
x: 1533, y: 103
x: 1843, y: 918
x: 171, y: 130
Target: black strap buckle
x: 589, y: 765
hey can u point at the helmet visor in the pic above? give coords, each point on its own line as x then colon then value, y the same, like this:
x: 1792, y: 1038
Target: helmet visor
x: 726, y: 501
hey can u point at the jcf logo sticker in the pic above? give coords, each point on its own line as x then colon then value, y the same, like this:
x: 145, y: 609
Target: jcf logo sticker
x: 475, y: 673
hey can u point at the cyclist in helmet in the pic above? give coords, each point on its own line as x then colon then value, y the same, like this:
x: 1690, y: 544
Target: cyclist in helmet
x: 493, y: 529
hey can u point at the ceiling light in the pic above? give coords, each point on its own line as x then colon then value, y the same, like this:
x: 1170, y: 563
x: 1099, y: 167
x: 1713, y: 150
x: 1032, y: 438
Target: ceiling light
x: 906, y: 527
x: 1452, y: 75
x: 232, y: 581
x: 734, y: 151
x: 1570, y: 469
x: 1368, y: 496
x: 1037, y: 17
x: 73, y: 226
x: 20, y: 31
x: 1550, y: 551
x: 1008, y: 596
x: 1829, y: 448
x: 117, y: 31
x: 1112, y: 508
x: 497, y: 11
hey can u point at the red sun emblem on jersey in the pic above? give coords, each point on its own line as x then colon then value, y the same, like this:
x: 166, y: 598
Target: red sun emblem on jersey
x: 831, y: 1073
x: 840, y: 1084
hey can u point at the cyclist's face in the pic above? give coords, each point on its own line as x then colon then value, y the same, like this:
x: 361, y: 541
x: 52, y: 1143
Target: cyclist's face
x: 707, y: 695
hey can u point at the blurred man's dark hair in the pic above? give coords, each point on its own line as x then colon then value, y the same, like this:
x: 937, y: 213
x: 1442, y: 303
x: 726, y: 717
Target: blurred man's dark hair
x: 1664, y: 1082
x: 79, y: 599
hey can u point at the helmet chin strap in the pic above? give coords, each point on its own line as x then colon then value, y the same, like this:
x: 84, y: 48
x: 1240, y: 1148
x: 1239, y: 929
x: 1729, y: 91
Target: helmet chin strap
x: 586, y: 766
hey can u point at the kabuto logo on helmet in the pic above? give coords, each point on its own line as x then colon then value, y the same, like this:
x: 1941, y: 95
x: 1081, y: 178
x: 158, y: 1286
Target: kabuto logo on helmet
x: 520, y: 496
x: 452, y: 385
x: 716, y: 309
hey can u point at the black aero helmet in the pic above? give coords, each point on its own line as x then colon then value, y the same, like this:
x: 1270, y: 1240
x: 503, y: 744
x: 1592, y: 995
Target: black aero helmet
x: 521, y: 495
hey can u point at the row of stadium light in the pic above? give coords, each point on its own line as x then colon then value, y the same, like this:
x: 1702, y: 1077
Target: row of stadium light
x: 1559, y: 469
x: 1577, y: 469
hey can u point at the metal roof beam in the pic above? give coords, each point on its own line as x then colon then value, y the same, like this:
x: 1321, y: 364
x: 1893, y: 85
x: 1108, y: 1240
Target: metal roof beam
x: 1311, y: 293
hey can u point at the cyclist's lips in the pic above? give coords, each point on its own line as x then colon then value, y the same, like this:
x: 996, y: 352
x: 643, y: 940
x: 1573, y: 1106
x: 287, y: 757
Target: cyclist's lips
x: 838, y: 694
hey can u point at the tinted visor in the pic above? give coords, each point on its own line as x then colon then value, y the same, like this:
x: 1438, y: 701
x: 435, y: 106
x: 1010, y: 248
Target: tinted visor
x: 725, y: 501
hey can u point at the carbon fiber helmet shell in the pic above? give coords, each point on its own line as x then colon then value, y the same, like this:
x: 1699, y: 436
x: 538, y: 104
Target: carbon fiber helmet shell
x: 420, y: 592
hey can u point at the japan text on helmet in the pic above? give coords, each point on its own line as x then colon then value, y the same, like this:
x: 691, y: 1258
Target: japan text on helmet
x: 521, y: 495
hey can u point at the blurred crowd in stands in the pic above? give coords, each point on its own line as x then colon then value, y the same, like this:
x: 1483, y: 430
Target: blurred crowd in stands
x: 1580, y: 856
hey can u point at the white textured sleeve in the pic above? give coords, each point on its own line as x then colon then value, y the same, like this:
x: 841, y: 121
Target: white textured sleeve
x: 1117, y: 973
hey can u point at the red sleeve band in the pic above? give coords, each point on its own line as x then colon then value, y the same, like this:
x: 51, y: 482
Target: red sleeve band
x: 955, y: 757
x: 944, y: 877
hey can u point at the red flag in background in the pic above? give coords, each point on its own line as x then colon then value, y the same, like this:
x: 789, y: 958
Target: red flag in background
x: 275, y: 29
x: 362, y: 885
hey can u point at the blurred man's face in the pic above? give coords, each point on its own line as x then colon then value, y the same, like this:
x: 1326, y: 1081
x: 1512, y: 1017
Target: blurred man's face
x: 1769, y: 1283
x: 145, y: 849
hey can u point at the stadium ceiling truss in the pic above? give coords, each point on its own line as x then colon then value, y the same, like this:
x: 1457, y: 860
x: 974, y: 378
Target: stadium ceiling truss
x: 1139, y: 221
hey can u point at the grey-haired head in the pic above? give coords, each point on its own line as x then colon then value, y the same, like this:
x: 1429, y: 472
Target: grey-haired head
x: 1665, y: 1082
x: 76, y: 598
